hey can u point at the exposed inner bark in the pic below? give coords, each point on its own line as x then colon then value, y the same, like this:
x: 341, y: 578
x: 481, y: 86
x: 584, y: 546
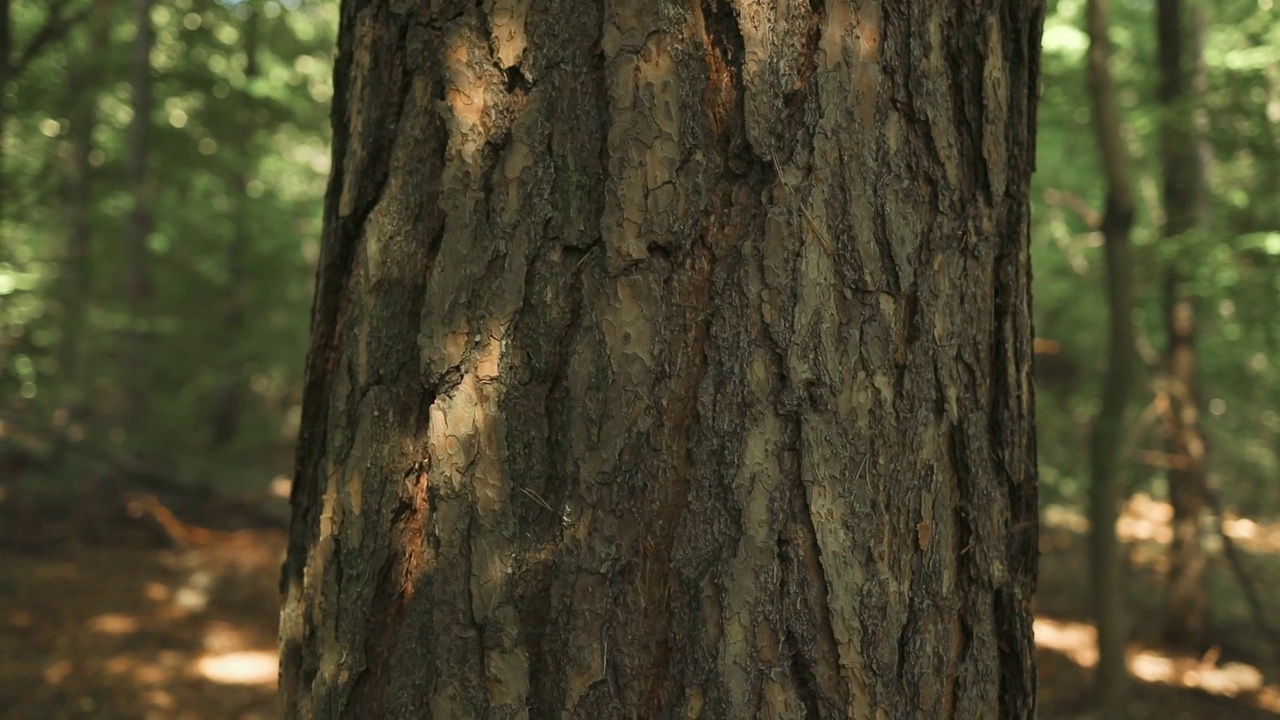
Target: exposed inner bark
x: 671, y: 361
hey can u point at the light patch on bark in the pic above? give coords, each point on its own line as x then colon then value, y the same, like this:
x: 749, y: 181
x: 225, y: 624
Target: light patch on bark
x: 323, y: 582
x: 644, y: 151
x: 836, y: 25
x: 507, y: 19
x: 471, y: 80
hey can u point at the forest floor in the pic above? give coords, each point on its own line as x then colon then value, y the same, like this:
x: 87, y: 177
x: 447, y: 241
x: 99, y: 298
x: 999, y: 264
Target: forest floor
x: 117, y: 620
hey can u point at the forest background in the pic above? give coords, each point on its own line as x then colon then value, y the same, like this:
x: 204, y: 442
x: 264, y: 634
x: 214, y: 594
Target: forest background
x: 160, y: 199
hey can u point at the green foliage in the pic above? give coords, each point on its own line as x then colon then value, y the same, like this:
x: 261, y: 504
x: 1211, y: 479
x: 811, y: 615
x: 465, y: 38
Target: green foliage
x: 1232, y: 266
x: 238, y: 165
x: 240, y: 150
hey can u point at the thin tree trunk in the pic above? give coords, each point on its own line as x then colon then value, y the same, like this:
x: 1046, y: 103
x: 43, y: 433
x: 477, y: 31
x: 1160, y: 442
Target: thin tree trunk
x: 137, y: 285
x: 671, y: 361
x: 6, y: 72
x: 229, y: 405
x: 83, y: 84
x: 1107, y: 569
x: 1187, y: 614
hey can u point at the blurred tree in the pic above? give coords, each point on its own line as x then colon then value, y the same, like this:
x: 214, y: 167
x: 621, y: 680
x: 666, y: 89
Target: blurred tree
x: 138, y: 289
x: 234, y: 174
x: 688, y: 380
x: 83, y: 85
x: 1109, y: 426
x: 228, y: 405
x: 16, y: 57
x: 1232, y: 278
x: 1185, y: 211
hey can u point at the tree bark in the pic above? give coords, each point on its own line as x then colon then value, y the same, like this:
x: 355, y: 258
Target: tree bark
x: 1106, y: 564
x: 1187, y: 614
x: 671, y: 361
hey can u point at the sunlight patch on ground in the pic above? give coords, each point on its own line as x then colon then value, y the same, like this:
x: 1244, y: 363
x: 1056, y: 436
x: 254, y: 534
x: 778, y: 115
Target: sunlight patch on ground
x: 194, y: 595
x: 113, y: 624
x: 250, y: 667
x: 1146, y: 518
x: 1057, y: 516
x: 1231, y: 679
x: 280, y: 486
x: 223, y: 637
x: 1078, y: 643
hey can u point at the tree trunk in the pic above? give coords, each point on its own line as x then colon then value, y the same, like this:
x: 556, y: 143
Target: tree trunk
x: 1106, y: 564
x: 6, y: 76
x: 228, y: 406
x: 671, y: 362
x: 137, y: 281
x: 83, y: 83
x: 1187, y: 613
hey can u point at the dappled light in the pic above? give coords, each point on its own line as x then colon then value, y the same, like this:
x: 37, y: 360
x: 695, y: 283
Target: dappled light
x: 141, y: 627
x: 1234, y: 681
x: 1078, y: 641
x: 253, y: 667
x: 1238, y: 670
x: 179, y: 177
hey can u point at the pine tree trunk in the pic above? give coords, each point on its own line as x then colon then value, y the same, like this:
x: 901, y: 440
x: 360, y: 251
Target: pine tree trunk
x: 671, y: 361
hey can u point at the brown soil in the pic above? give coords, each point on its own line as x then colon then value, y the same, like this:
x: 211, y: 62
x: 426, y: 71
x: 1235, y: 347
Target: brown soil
x: 148, y: 617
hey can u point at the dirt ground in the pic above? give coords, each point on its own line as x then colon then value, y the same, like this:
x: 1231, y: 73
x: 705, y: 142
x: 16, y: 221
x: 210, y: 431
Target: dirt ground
x: 129, y: 619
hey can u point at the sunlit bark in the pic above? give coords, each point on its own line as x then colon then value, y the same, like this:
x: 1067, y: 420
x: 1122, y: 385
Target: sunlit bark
x: 671, y: 360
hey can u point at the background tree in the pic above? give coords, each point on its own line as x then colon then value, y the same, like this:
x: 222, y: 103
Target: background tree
x: 1185, y: 209
x: 1106, y: 441
x: 238, y: 150
x: 1227, y: 273
x: 677, y: 364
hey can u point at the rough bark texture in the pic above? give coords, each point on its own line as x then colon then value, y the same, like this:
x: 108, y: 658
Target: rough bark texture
x: 1106, y: 564
x: 1186, y: 211
x: 671, y: 360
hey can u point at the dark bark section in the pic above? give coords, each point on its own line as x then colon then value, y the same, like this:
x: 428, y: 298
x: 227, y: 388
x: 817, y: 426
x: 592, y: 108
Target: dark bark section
x: 370, y: 81
x: 659, y: 370
x: 1013, y: 381
x: 1106, y: 564
x: 1187, y: 615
